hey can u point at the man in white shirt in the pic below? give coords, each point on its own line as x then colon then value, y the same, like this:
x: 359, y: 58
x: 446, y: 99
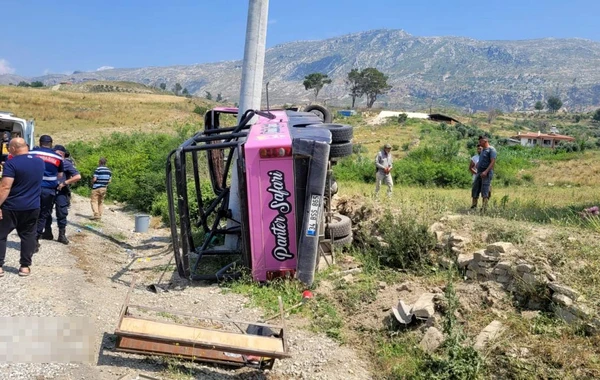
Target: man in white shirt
x: 383, y: 162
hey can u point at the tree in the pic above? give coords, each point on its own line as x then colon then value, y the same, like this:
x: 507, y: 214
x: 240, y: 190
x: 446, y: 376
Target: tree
x: 492, y: 115
x: 539, y: 106
x: 596, y: 116
x: 185, y: 92
x: 219, y: 97
x: 554, y: 103
x: 23, y: 84
x: 354, y: 83
x: 208, y: 95
x: 177, y: 88
x: 37, y: 83
x: 163, y: 86
x: 374, y: 83
x: 315, y: 82
x: 402, y: 119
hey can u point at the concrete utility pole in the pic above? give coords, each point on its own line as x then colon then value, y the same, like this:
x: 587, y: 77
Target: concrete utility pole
x: 254, y: 56
x: 250, y: 92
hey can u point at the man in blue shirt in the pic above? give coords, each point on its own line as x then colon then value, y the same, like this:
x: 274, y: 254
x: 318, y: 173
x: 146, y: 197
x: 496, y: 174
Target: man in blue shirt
x: 63, y: 198
x: 100, y: 180
x: 485, y: 171
x: 20, y: 202
x: 52, y: 174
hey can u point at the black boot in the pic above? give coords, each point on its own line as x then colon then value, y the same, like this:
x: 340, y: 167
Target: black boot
x: 37, y: 245
x: 47, y: 235
x: 62, y: 238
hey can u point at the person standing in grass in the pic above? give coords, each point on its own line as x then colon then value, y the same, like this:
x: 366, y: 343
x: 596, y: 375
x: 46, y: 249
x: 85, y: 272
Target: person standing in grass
x: 383, y: 162
x: 100, y: 180
x: 473, y: 170
x: 485, y: 172
x: 20, y: 200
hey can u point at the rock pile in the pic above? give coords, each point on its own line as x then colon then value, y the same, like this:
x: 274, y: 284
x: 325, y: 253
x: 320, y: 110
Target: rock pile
x: 502, y: 263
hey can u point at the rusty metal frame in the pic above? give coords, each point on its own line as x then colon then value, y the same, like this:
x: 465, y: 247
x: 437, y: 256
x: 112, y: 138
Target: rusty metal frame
x: 149, y: 344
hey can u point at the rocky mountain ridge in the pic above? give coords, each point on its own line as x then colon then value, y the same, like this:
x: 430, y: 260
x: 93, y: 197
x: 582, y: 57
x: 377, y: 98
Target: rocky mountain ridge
x: 450, y: 71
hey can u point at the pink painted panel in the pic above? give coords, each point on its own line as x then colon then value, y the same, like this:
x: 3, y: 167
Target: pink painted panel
x: 271, y: 201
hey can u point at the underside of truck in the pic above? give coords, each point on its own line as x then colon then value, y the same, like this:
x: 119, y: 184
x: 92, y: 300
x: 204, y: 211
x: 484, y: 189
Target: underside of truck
x: 206, y: 171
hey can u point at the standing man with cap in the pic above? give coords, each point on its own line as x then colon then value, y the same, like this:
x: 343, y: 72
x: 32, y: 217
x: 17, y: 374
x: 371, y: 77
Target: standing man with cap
x: 63, y: 198
x: 20, y: 202
x: 54, y: 171
x: 383, y: 162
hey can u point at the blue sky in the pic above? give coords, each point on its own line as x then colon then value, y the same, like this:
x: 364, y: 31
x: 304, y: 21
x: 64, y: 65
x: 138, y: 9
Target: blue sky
x: 41, y: 36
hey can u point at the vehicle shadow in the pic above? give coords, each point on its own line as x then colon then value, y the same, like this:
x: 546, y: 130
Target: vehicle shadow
x: 149, y: 243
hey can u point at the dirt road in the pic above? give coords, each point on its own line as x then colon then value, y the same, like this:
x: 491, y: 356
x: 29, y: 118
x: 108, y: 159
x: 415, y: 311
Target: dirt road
x: 90, y: 278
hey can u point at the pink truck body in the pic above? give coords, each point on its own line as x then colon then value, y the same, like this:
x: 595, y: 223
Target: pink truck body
x: 270, y: 188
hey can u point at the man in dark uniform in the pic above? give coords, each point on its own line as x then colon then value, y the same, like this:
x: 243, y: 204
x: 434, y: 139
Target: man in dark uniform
x: 54, y: 171
x: 63, y: 198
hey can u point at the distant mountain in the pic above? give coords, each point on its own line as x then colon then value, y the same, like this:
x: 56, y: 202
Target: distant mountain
x: 462, y: 72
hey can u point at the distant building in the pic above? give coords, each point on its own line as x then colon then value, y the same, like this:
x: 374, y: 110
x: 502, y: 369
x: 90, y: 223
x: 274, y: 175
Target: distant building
x: 544, y: 140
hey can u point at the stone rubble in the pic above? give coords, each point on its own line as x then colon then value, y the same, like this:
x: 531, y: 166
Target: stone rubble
x: 488, y: 334
x: 432, y: 339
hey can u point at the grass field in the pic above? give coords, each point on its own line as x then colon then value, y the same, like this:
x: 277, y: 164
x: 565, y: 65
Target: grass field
x: 70, y: 116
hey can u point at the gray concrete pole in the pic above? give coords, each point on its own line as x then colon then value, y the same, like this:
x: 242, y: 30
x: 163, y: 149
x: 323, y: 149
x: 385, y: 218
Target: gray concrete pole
x: 250, y: 92
x: 254, y: 56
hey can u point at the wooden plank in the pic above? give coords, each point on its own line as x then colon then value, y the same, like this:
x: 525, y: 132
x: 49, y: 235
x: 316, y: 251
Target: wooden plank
x: 202, y: 336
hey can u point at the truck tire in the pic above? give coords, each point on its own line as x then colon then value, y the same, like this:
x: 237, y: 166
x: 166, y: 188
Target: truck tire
x: 340, y: 226
x: 339, y: 132
x: 340, y: 150
x: 322, y: 112
x: 343, y: 241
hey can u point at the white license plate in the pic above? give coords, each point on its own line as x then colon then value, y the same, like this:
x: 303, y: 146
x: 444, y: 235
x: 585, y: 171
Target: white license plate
x: 313, y: 216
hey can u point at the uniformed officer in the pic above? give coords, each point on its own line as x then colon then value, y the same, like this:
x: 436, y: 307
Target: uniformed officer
x: 63, y: 198
x: 54, y: 170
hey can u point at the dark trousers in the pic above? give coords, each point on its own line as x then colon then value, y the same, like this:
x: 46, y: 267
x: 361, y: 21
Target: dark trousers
x: 61, y: 204
x: 46, y: 206
x: 25, y: 223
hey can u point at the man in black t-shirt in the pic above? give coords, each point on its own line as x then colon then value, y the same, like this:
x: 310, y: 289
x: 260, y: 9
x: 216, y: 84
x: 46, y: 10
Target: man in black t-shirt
x: 20, y: 190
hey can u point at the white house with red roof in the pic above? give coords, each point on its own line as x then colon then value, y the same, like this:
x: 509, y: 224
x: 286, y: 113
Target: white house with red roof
x: 546, y: 140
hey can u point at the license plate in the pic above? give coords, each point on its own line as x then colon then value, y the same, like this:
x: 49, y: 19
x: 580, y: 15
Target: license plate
x: 313, y: 216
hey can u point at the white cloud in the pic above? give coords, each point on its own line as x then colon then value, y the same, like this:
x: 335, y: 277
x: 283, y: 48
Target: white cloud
x: 104, y: 68
x: 271, y: 22
x: 47, y: 71
x: 5, y: 67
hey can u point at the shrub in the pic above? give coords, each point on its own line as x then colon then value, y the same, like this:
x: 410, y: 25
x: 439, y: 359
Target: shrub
x: 137, y: 161
x: 200, y: 110
x: 408, y: 242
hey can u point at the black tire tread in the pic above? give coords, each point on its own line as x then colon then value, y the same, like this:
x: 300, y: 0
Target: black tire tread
x: 340, y: 133
x: 340, y: 150
x: 340, y: 226
x: 343, y: 240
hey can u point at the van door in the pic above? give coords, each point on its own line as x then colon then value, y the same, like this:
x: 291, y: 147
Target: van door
x: 28, y: 133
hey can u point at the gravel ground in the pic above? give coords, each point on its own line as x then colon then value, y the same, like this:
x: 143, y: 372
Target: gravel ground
x: 90, y: 278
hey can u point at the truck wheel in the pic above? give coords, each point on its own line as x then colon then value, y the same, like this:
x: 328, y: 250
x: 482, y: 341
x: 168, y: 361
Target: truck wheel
x: 322, y: 112
x: 343, y: 241
x: 340, y: 150
x: 339, y: 227
x: 339, y: 132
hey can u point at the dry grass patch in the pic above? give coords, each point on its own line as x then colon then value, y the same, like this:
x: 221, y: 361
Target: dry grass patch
x: 70, y: 116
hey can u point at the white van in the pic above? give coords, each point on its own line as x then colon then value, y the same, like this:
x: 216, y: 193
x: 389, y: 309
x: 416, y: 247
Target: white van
x: 17, y: 127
